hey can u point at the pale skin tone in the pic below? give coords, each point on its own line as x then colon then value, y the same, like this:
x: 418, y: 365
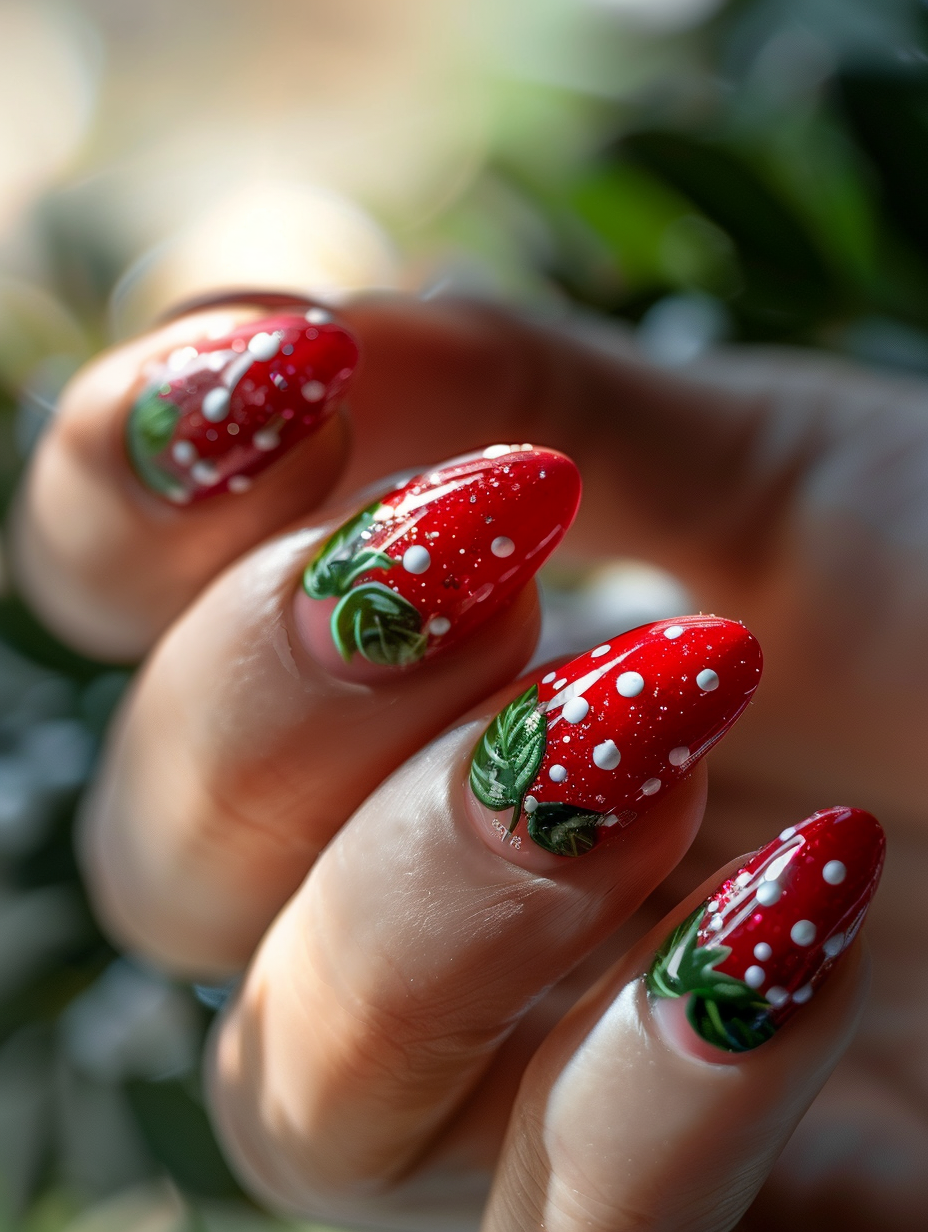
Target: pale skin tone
x: 423, y: 1022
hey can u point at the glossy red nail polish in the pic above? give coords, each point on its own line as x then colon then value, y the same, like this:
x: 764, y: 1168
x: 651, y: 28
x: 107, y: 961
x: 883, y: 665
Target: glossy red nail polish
x: 218, y: 411
x: 768, y: 937
x: 416, y: 571
x: 597, y: 742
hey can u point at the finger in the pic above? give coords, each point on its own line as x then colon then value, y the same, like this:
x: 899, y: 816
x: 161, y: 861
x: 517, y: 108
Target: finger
x: 168, y: 458
x: 298, y: 682
x: 387, y: 986
x: 656, y: 1110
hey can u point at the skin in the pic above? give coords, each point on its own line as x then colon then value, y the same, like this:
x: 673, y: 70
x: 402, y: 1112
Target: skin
x: 422, y: 1021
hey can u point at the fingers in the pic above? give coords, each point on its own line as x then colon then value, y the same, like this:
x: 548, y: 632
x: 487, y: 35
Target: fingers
x: 629, y: 1117
x: 169, y: 457
x: 387, y: 986
x: 297, y: 683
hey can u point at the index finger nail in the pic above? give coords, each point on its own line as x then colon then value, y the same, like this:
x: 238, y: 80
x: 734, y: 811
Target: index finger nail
x: 218, y: 411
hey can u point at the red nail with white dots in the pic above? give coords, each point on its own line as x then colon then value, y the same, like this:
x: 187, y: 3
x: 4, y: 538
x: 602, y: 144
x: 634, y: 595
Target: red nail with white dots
x: 594, y: 744
x: 215, y: 413
x: 759, y: 948
x: 417, y: 570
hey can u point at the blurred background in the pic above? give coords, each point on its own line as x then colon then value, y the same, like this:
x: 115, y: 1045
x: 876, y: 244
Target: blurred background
x: 706, y: 172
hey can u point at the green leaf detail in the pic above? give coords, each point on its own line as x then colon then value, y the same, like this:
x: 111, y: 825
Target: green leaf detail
x: 149, y: 429
x: 344, y: 557
x: 565, y: 829
x: 379, y: 624
x: 721, y: 1009
x: 509, y: 753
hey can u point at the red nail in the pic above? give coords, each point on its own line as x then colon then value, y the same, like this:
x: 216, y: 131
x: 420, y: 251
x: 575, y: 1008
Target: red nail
x: 596, y: 743
x: 418, y: 570
x: 218, y: 411
x: 770, y: 935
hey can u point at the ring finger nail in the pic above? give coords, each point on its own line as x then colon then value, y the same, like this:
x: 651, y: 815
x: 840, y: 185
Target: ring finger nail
x: 419, y: 569
x: 594, y: 744
x: 758, y: 949
x: 218, y: 411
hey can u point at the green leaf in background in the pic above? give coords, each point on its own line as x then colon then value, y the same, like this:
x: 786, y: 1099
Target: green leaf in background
x: 379, y: 624
x: 177, y: 1131
x: 149, y: 429
x: 344, y: 558
x: 509, y: 753
x: 723, y: 1010
x: 564, y: 829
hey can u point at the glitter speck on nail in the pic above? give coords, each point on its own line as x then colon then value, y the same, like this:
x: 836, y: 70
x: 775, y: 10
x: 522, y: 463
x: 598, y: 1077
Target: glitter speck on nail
x: 232, y: 429
x: 212, y: 435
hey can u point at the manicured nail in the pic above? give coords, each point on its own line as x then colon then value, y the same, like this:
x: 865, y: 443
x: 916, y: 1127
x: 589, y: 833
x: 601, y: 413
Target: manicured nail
x: 759, y: 948
x: 218, y: 411
x: 416, y: 571
x: 596, y: 743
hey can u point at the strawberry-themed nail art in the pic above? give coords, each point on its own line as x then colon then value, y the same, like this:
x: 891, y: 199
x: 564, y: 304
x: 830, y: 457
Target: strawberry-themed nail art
x: 418, y: 569
x: 217, y: 412
x: 759, y: 948
x: 596, y: 743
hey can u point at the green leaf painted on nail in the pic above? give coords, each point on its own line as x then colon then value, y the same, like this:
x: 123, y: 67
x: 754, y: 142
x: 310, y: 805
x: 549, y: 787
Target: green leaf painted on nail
x: 723, y: 1010
x: 565, y: 829
x: 509, y: 753
x: 377, y: 623
x: 149, y: 430
x: 344, y: 557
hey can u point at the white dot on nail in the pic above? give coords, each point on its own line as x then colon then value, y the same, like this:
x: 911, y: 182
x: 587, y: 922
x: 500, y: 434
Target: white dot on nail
x: 439, y: 626
x: 557, y: 774
x: 547, y: 679
x: 599, y: 652
x: 502, y: 546
x: 184, y: 453
x: 679, y: 755
x: 205, y: 473
x: 215, y: 404
x: 777, y: 996
x: 673, y: 631
x: 787, y: 833
x: 834, y: 872
x: 769, y: 893
x: 802, y: 995
x: 630, y: 684
x: 318, y: 316
x: 651, y: 786
x: 265, y: 346
x: 496, y: 451
x: 559, y: 684
x: 530, y: 804
x: 265, y: 440
x: 707, y: 680
x: 754, y: 977
x: 313, y: 391
x: 606, y: 755
x: 576, y: 710
x: 803, y: 932
x: 239, y: 484
x: 611, y: 820
x: 834, y: 945
x: 416, y: 559
x: 181, y: 357
x: 763, y: 952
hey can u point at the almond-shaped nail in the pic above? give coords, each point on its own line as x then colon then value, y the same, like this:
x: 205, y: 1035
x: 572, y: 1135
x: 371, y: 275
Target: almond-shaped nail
x: 218, y: 411
x: 593, y: 745
x: 757, y: 950
x: 416, y: 571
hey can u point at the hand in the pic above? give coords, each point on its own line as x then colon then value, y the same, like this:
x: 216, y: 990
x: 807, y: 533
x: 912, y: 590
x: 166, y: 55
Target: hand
x: 783, y: 489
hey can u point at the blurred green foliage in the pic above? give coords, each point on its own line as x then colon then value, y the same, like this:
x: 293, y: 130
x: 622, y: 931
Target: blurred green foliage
x: 768, y: 183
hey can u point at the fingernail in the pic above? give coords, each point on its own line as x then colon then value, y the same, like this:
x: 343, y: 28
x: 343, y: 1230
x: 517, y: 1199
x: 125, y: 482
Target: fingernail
x: 218, y: 411
x: 593, y: 745
x: 760, y: 947
x: 415, y: 572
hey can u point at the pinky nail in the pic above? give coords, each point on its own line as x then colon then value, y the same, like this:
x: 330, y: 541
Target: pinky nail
x: 596, y: 743
x: 217, y: 412
x: 760, y: 947
x: 415, y: 572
